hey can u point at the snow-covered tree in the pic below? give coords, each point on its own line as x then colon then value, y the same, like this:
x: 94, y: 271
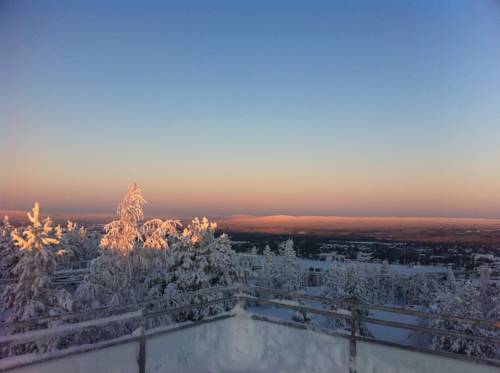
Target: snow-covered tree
x: 384, y: 289
x: 266, y: 279
x: 6, y: 228
x: 155, y: 233
x: 494, y: 312
x: 346, y: 282
x: 123, y: 234
x: 9, y: 253
x: 115, y: 276
x: 34, y: 295
x: 76, y: 244
x: 421, y: 290
x: 487, y: 290
x: 253, y: 251
x: 464, y: 302
x: 200, y: 260
x: 334, y: 285
x: 334, y: 281
x: 355, y: 284
x: 287, y: 271
x: 450, y: 284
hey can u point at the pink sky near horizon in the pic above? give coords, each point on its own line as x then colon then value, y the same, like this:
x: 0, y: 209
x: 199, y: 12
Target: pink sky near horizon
x: 233, y: 199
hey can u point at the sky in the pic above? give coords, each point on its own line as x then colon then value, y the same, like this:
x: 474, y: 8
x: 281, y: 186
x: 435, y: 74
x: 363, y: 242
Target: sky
x: 364, y: 108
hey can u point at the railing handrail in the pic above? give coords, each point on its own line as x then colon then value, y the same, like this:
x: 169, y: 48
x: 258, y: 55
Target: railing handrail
x: 114, y: 309
x: 239, y: 295
x: 293, y: 295
x: 373, y: 320
x: 125, y: 317
x: 368, y: 306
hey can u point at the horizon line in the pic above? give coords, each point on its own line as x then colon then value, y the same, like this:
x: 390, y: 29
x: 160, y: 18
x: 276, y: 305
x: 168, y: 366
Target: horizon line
x: 60, y: 214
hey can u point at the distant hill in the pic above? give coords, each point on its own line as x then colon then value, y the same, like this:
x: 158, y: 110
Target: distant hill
x: 447, y: 230
x: 459, y: 230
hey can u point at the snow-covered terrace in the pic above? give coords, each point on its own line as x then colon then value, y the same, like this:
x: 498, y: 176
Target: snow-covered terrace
x: 237, y: 341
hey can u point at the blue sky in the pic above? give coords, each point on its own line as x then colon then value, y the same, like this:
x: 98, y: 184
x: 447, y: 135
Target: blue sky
x: 349, y: 108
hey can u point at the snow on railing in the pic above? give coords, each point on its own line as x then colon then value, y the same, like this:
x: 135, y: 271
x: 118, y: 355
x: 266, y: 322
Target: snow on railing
x: 243, y: 294
x: 108, y: 310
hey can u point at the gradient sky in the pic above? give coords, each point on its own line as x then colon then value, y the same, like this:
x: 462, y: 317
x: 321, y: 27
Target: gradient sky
x: 263, y: 107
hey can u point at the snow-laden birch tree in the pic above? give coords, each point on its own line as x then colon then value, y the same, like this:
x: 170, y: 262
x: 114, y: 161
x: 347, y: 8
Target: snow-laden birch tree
x: 114, y: 276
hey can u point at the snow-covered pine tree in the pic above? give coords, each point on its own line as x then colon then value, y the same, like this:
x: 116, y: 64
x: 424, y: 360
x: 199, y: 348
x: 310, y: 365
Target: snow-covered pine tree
x: 487, y: 290
x: 76, y: 244
x: 34, y: 295
x: 450, y: 284
x: 334, y: 285
x: 384, y: 289
x: 266, y: 279
x: 6, y: 228
x: 346, y: 282
x: 288, y: 276
x: 9, y: 253
x: 355, y: 286
x: 421, y: 290
x: 157, y: 236
x: 356, y: 290
x: 494, y: 312
x: 334, y: 281
x: 464, y: 303
x: 253, y: 251
x: 199, y: 260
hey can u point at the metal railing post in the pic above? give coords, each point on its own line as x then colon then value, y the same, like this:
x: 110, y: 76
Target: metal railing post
x: 352, y: 341
x: 142, y: 346
x: 240, y: 301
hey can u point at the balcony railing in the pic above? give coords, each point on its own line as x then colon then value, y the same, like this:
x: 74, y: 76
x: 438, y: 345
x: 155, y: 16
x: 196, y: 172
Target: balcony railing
x: 140, y: 313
